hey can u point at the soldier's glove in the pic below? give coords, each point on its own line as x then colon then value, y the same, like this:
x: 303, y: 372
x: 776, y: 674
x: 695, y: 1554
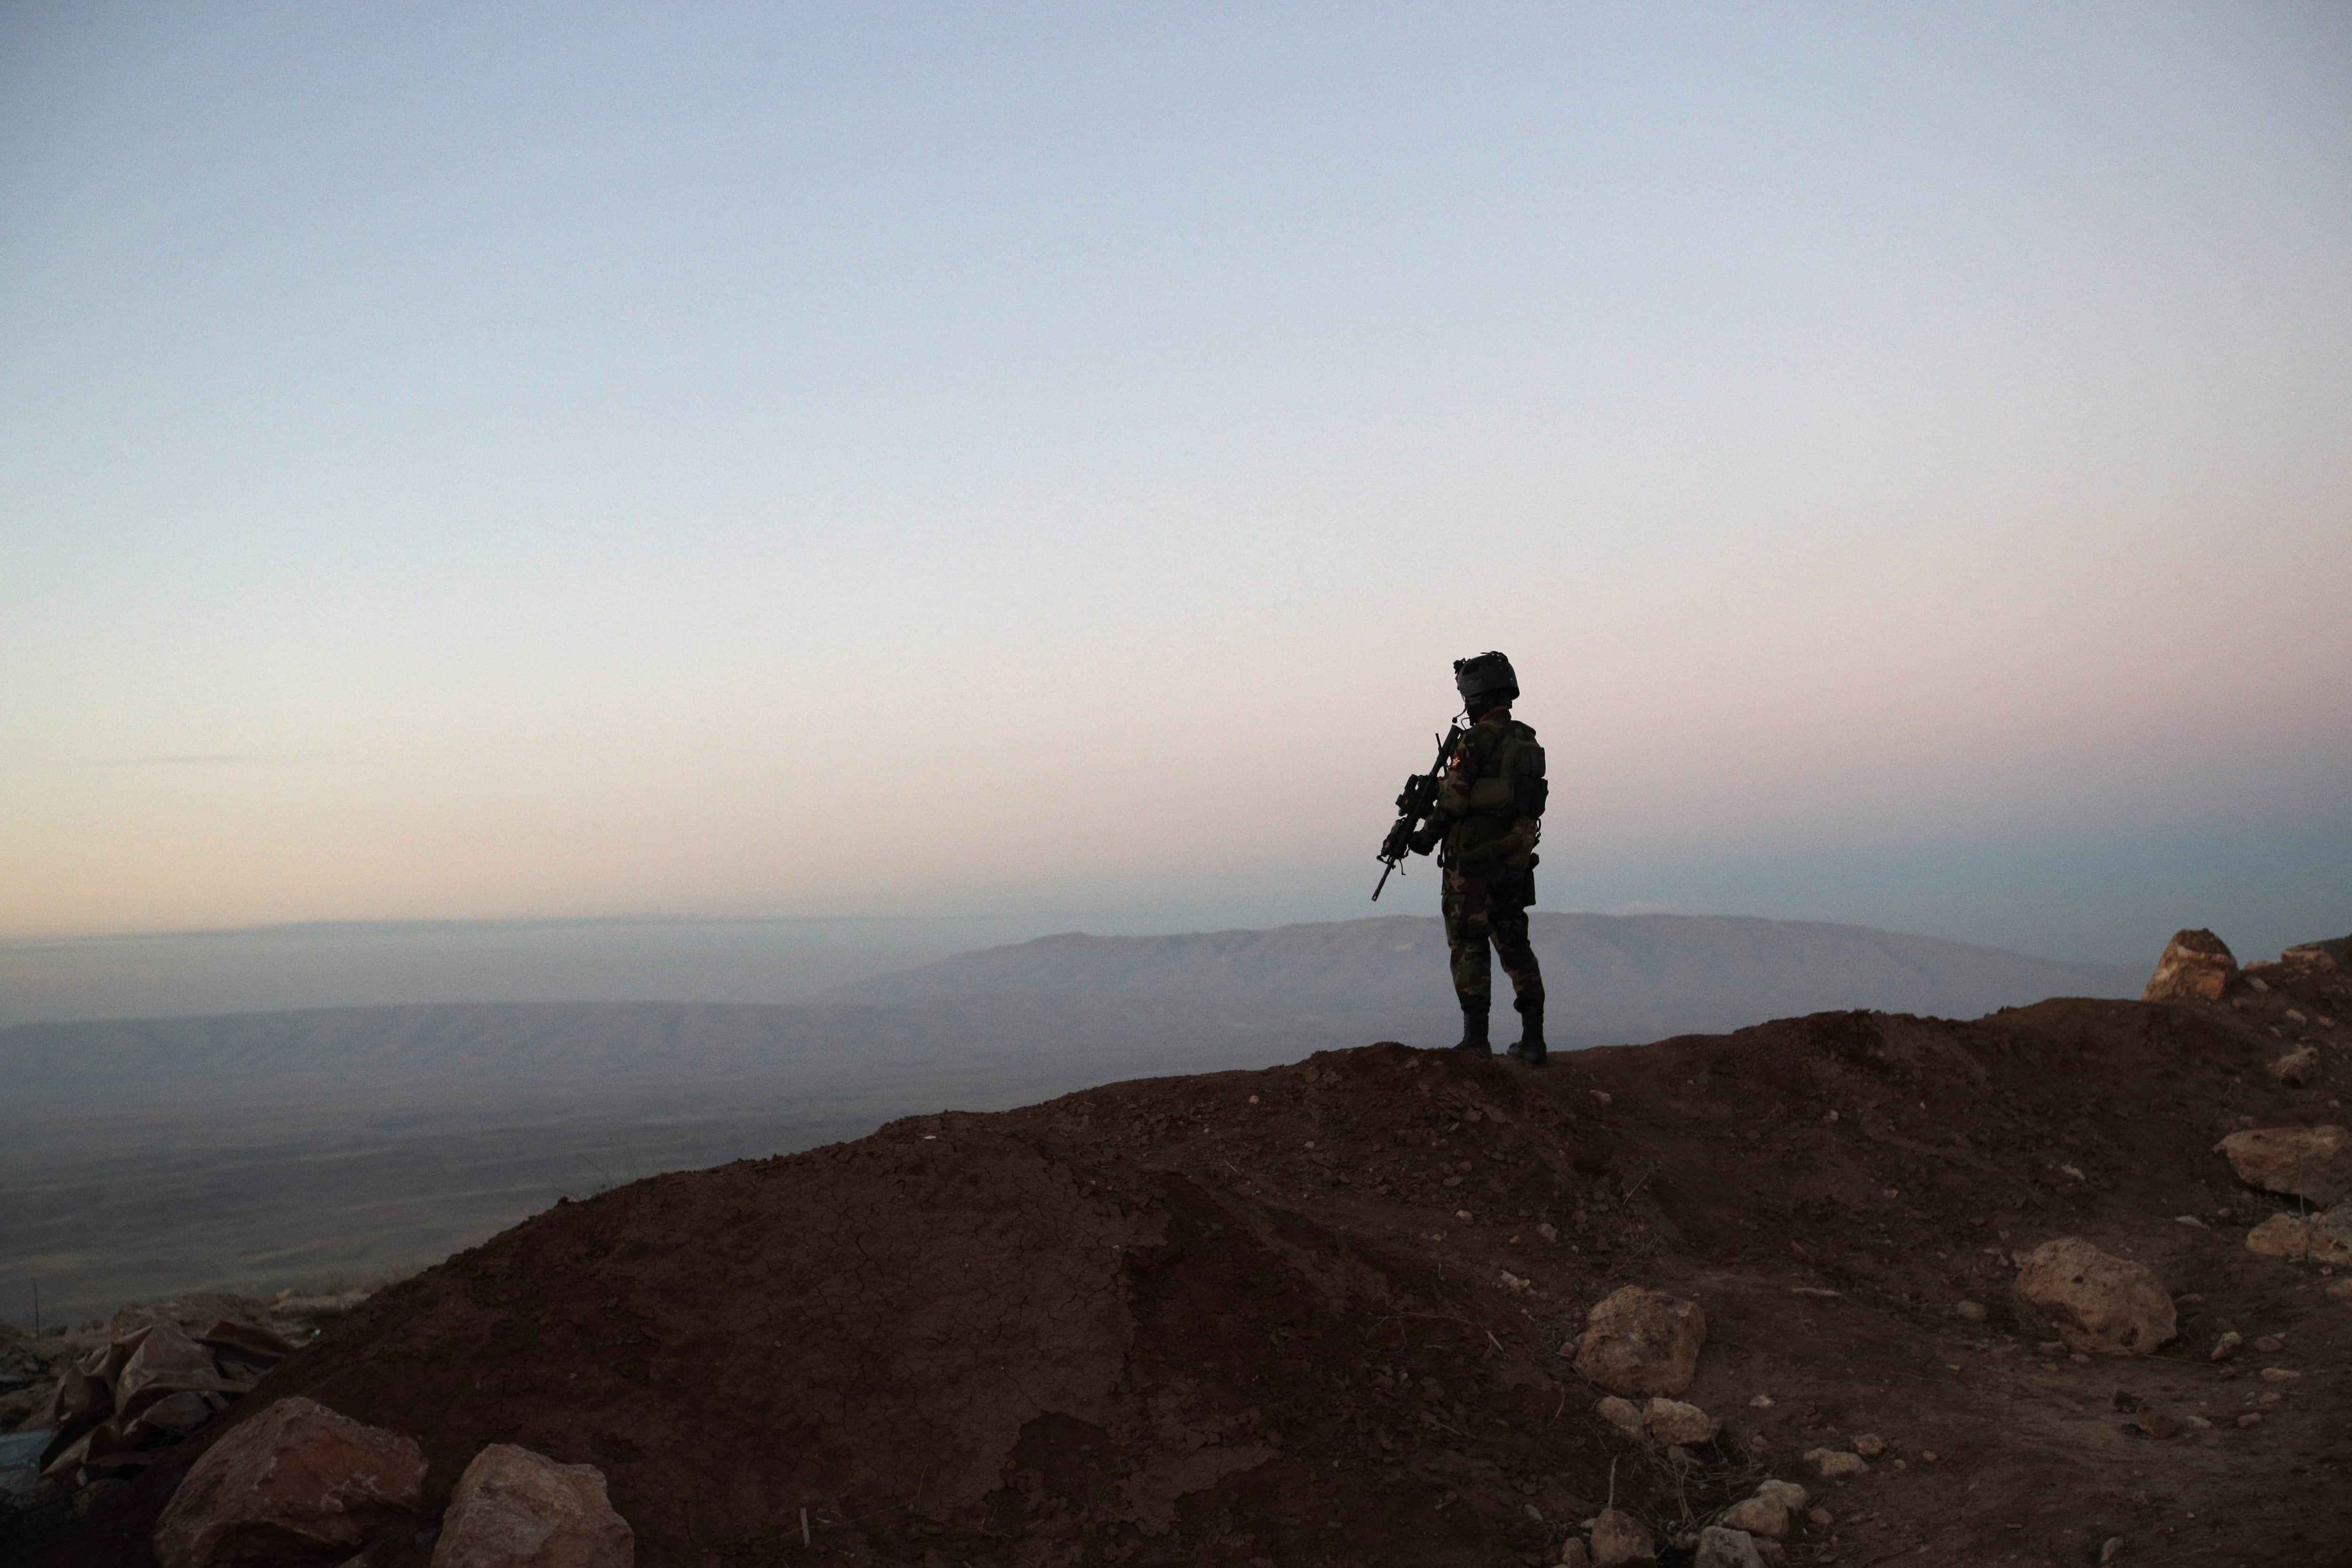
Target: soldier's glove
x: 1424, y: 839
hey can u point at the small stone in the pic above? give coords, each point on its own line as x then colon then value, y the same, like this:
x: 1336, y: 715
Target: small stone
x: 2199, y: 1421
x: 1870, y: 1445
x: 2109, y: 1547
x: 1970, y: 1311
x: 1548, y: 1231
x: 1835, y: 1465
x: 2297, y: 1068
x: 2188, y: 1219
x: 2227, y: 1345
x: 1722, y: 1548
x: 1672, y: 1421
x: 1757, y: 1516
x: 2250, y: 1419
x: 1820, y: 1518
x: 1618, y: 1537
x: 2270, y: 1344
x: 2294, y: 1017
x: 1787, y: 1494
x: 2280, y: 1374
x: 1575, y: 1554
x: 1622, y: 1413
x: 1761, y: 1402
x: 1641, y: 1340
x: 2341, y: 1291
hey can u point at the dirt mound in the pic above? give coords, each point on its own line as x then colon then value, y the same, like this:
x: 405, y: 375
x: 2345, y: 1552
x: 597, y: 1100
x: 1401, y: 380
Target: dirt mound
x: 1316, y: 1314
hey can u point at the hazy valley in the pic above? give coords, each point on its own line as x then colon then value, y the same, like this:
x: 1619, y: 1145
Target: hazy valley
x: 252, y: 1149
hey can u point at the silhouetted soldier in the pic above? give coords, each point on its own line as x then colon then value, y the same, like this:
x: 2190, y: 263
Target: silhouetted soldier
x: 1488, y: 818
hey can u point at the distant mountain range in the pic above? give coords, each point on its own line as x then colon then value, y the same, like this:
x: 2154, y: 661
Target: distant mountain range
x: 1102, y: 1006
x: 1611, y: 978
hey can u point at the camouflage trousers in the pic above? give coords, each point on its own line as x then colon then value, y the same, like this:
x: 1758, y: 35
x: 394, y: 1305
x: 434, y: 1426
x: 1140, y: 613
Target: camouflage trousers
x: 1473, y: 920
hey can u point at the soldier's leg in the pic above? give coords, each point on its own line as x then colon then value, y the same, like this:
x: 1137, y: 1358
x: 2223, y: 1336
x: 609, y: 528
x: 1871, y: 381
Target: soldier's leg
x: 1519, y: 956
x: 1466, y: 937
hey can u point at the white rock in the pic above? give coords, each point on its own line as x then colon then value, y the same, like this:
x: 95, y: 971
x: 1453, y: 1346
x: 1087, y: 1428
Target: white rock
x: 1787, y: 1494
x: 1870, y: 1445
x: 1835, y: 1465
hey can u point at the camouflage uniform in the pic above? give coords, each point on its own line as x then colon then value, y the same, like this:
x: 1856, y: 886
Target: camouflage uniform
x: 1491, y: 809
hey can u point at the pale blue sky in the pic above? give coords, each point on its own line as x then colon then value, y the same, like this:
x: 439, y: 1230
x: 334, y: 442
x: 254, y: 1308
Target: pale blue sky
x: 522, y: 461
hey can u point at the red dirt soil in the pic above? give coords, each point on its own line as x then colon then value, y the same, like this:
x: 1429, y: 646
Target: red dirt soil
x: 1307, y: 1316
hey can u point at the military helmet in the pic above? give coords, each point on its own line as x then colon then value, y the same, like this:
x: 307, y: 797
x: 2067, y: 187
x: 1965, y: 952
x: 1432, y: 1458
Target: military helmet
x: 1484, y: 679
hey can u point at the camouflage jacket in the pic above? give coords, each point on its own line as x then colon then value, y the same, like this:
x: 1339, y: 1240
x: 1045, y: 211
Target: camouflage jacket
x: 1491, y: 806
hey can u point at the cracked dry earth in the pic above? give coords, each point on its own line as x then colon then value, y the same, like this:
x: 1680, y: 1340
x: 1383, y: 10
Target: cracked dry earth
x: 1314, y: 1315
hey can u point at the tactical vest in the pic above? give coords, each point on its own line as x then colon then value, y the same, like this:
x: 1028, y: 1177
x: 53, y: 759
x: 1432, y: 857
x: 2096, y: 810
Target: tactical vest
x: 1495, y: 793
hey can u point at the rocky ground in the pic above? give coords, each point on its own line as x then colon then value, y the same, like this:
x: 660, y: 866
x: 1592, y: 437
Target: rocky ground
x: 1340, y: 1314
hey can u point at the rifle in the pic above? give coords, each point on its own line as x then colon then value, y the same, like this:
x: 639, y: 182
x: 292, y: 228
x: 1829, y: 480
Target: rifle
x: 1415, y: 804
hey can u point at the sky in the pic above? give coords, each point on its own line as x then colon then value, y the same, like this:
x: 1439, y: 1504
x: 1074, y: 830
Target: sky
x: 812, y: 461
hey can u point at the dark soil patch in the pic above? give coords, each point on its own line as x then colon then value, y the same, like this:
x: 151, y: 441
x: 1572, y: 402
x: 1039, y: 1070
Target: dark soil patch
x: 1310, y: 1315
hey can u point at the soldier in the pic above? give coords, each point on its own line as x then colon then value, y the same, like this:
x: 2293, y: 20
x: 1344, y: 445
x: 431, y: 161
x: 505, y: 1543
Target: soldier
x: 1489, y: 816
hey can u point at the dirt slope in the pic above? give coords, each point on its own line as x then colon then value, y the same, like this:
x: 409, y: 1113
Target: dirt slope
x: 1305, y: 1316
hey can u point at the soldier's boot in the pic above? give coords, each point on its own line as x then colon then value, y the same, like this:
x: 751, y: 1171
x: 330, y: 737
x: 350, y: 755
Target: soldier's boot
x: 1530, y: 1047
x: 1473, y: 1033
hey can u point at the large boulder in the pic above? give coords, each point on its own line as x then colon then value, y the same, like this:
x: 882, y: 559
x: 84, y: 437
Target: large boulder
x: 2335, y: 953
x: 296, y: 1486
x: 2197, y: 966
x: 516, y: 1508
x: 2093, y: 1300
x: 1640, y: 1341
x: 2313, y: 1163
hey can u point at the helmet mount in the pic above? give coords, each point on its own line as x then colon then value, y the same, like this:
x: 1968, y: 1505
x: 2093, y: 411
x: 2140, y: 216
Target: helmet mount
x: 1485, y: 680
